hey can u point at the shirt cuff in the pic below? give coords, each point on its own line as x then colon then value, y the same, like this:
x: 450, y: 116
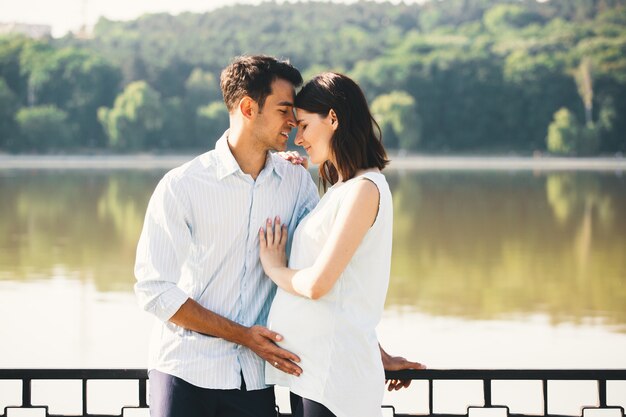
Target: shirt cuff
x: 169, y: 303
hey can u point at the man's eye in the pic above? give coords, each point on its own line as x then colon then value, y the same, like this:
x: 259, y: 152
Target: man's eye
x: 283, y: 111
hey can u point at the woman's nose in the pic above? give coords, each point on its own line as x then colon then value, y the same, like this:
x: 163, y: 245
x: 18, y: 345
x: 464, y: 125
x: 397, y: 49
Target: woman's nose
x: 298, y: 139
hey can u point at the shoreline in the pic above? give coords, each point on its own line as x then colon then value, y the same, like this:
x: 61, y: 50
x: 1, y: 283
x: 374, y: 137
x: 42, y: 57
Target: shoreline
x: 403, y: 163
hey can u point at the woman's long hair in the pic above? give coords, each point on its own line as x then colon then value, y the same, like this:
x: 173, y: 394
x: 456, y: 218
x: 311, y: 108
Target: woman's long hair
x: 357, y: 142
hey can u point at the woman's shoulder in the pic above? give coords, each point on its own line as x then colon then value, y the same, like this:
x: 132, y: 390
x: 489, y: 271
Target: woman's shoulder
x: 375, y: 179
x: 361, y: 192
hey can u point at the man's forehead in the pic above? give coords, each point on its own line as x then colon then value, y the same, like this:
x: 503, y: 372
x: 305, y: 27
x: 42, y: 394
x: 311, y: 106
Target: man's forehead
x: 283, y: 93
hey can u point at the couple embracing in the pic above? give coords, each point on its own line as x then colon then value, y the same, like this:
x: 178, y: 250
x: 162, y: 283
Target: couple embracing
x: 254, y: 279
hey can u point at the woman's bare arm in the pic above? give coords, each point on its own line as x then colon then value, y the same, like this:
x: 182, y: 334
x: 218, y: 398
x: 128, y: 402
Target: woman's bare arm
x: 356, y: 215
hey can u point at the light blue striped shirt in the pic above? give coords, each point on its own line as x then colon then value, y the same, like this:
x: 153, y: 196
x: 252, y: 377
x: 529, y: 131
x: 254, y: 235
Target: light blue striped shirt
x: 200, y: 241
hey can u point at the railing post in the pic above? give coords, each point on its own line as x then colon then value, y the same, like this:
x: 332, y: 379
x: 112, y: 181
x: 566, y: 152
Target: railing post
x: 26, y: 393
x: 602, y: 392
x: 545, y: 396
x: 430, y: 397
x: 142, y: 393
x: 84, y: 381
x: 487, y: 392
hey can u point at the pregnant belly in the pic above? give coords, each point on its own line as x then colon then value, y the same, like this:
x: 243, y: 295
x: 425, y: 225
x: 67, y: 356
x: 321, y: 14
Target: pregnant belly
x: 305, y: 325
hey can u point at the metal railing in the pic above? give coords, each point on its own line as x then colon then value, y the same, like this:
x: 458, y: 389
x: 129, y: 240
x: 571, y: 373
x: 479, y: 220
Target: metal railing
x: 487, y: 377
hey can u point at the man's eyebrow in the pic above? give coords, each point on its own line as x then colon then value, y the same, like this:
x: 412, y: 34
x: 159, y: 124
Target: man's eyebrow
x: 285, y: 103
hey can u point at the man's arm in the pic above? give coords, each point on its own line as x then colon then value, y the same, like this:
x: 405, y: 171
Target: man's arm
x: 259, y: 339
x: 397, y: 363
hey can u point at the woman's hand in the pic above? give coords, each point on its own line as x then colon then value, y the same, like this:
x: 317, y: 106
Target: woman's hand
x: 397, y: 363
x: 272, y: 242
x: 295, y: 158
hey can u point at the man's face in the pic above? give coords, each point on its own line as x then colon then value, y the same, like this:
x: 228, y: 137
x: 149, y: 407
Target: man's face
x: 276, y: 118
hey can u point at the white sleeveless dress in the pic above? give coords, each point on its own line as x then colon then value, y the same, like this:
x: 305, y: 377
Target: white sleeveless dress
x: 335, y: 336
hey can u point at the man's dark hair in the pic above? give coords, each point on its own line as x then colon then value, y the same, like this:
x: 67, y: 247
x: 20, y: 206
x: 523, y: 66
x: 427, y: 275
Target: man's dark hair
x: 252, y: 76
x: 357, y: 142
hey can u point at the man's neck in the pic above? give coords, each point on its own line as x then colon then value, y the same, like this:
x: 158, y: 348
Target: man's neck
x: 250, y: 157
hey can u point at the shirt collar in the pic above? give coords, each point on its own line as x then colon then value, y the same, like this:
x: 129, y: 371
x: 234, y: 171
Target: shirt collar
x: 228, y: 164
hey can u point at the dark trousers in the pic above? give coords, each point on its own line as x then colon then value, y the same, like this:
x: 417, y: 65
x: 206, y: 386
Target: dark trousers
x: 173, y: 397
x: 303, y: 407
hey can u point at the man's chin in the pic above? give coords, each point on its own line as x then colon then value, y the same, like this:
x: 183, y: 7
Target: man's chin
x: 280, y: 147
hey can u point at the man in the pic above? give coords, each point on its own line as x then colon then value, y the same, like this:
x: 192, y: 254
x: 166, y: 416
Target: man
x: 198, y: 267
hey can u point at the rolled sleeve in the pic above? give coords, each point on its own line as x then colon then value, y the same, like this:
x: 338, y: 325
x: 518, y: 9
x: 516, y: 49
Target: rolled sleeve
x: 162, y: 249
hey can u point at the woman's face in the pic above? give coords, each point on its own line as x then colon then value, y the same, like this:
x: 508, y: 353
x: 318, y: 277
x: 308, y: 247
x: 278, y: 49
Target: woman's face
x: 314, y: 134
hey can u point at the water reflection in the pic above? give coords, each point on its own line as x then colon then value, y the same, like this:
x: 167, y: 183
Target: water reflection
x: 473, y: 245
x: 82, y: 225
x: 488, y: 245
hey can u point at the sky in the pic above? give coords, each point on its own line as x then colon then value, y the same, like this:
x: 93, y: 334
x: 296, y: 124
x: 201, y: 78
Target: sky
x: 68, y: 15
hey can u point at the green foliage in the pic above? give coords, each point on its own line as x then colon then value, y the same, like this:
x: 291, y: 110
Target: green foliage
x: 567, y: 136
x: 78, y: 81
x: 136, y: 115
x: 509, y: 17
x: 43, y: 128
x: 398, y: 118
x: 8, y: 106
x: 488, y: 74
x: 201, y: 88
x: 212, y: 121
x: 172, y: 133
x: 11, y: 48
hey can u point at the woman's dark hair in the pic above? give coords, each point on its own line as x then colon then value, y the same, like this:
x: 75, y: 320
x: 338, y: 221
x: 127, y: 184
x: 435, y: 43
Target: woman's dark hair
x: 253, y: 75
x: 357, y: 142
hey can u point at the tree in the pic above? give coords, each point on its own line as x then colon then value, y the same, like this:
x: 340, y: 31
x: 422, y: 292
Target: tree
x: 136, y: 116
x: 11, y: 48
x: 43, y: 128
x: 201, y: 88
x: 397, y: 115
x: 567, y: 137
x: 8, y: 106
x: 509, y: 16
x: 488, y: 74
x: 584, y: 82
x: 212, y: 121
x: 77, y: 81
x: 174, y: 133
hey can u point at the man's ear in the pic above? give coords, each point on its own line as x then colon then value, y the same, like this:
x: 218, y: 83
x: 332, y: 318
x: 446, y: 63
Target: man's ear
x: 248, y: 107
x: 334, y: 121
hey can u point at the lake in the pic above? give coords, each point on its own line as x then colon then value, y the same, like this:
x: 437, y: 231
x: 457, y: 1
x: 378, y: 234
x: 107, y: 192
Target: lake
x: 493, y: 268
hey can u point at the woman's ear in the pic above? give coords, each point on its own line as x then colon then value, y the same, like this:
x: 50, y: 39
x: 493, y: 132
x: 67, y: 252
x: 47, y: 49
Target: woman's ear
x: 334, y: 122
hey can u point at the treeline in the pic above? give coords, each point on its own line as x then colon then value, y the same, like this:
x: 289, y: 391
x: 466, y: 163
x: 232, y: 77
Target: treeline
x: 443, y: 76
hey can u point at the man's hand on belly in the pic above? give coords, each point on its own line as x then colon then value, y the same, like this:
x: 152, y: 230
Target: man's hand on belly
x: 262, y: 341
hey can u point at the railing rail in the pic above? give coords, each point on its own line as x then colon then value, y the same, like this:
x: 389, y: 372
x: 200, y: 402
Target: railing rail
x: 601, y: 376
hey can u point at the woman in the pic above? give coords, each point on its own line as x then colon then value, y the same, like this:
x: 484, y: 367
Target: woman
x: 332, y: 294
